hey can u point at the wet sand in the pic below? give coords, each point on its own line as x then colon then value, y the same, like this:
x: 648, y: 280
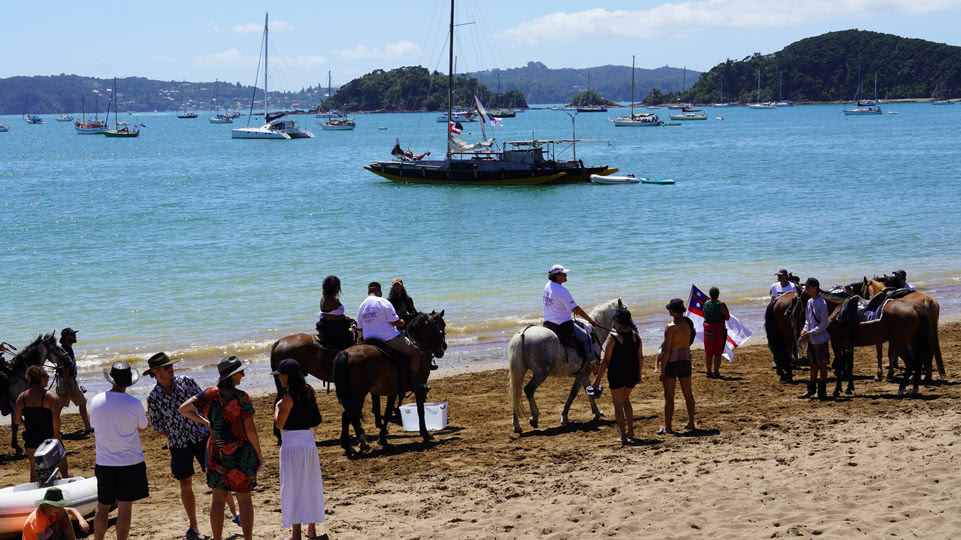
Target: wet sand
x: 765, y: 465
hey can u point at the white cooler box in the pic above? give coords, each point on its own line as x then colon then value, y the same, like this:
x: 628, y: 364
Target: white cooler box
x: 435, y: 416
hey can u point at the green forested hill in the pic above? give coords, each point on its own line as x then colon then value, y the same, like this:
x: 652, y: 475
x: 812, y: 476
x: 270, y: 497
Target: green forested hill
x: 42, y: 94
x: 416, y: 89
x: 825, y: 68
x: 542, y: 84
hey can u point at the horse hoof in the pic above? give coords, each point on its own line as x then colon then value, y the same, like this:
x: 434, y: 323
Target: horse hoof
x: 428, y: 437
x: 533, y: 423
x: 564, y: 421
x: 900, y: 394
x: 836, y: 393
x: 849, y: 391
x: 518, y: 430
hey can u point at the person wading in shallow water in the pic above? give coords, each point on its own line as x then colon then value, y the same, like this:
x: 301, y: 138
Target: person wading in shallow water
x: 558, y: 307
x: 377, y: 319
x: 674, y: 363
x: 624, y: 362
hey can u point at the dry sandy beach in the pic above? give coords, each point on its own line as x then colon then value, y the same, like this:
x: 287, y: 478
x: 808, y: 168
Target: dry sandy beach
x: 766, y: 465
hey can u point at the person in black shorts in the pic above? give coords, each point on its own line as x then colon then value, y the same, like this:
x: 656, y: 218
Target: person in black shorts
x: 186, y: 440
x: 674, y: 363
x: 623, y: 360
x: 117, y: 419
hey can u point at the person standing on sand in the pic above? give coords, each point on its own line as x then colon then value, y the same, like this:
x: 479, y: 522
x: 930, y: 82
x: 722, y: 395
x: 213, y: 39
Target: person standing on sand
x: 674, y: 363
x: 233, y: 450
x: 186, y: 440
x: 715, y: 333
x: 816, y: 320
x: 301, y: 483
x: 38, y: 411
x: 118, y: 419
x: 558, y: 307
x: 67, y: 386
x: 624, y: 363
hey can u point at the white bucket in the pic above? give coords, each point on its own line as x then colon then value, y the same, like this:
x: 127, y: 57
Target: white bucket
x: 435, y: 416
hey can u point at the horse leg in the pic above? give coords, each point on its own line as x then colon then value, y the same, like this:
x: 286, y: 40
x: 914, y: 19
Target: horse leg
x: 570, y: 399
x: 375, y: 408
x: 345, y: 435
x: 529, y: 390
x: 383, y: 425
x: 880, y: 373
x: 420, y: 418
x: 909, y: 367
x: 358, y: 429
x: 838, y: 371
x: 849, y: 366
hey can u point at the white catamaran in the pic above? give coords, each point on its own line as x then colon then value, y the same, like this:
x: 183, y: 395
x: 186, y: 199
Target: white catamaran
x: 275, y: 127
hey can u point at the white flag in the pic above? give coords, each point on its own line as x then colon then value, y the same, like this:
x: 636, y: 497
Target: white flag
x: 737, y: 333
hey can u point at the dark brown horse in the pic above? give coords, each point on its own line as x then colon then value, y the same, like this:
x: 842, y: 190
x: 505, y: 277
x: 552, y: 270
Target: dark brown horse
x: 362, y: 370
x: 870, y: 287
x: 43, y: 349
x: 903, y: 325
x: 783, y: 323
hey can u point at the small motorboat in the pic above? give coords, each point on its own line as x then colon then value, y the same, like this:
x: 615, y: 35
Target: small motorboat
x: 658, y: 181
x: 629, y: 179
x: 17, y: 502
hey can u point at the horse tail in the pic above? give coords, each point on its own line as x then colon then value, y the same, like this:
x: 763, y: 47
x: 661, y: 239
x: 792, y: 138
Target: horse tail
x: 341, y: 376
x: 274, y: 362
x: 515, y: 359
x: 922, y: 340
x: 934, y: 315
x: 774, y: 342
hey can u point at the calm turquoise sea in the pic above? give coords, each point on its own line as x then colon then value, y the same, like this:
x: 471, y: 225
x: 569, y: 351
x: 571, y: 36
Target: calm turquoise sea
x: 187, y: 241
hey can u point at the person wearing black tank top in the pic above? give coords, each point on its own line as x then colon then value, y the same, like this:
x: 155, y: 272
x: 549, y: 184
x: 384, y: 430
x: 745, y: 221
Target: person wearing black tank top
x: 624, y: 362
x: 38, y: 410
x: 301, y: 483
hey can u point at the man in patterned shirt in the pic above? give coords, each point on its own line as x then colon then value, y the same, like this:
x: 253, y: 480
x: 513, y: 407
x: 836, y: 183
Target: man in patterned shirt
x: 186, y: 440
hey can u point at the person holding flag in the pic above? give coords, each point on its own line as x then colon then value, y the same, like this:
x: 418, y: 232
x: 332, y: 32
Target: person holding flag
x: 715, y: 333
x: 734, y: 334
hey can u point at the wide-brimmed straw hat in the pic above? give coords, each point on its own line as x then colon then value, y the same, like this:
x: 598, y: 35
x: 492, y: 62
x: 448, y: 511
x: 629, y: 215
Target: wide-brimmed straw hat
x: 121, y: 374
x: 229, y: 366
x: 54, y: 497
x: 157, y: 361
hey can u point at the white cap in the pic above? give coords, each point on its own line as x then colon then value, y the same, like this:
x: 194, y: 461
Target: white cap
x: 558, y: 269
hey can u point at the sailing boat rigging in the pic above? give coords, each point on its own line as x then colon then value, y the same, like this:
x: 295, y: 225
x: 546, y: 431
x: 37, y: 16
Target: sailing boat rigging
x: 118, y: 130
x: 526, y: 162
x: 93, y: 127
x: 63, y: 117
x: 591, y: 107
x: 275, y: 127
x: 759, y: 105
x: 864, y: 109
x: 937, y: 97
x: 789, y: 103
x: 335, y: 121
x: 637, y: 120
x: 186, y: 114
x: 220, y: 117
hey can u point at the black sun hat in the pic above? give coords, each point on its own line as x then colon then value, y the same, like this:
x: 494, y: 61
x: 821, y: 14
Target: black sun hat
x: 121, y: 374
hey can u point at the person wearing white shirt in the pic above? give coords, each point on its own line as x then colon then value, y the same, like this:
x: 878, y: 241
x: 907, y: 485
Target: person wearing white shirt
x: 782, y: 285
x: 117, y: 419
x: 376, y: 318
x: 558, y: 307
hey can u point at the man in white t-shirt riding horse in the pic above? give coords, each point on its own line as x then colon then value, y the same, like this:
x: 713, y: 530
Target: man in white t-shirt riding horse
x: 376, y: 318
x: 558, y: 307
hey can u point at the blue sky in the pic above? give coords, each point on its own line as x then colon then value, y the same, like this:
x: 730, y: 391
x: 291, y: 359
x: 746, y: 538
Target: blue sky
x: 215, y: 39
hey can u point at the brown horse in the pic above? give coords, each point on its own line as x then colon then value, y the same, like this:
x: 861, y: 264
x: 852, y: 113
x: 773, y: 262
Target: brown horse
x: 870, y: 287
x: 362, y: 370
x: 783, y: 322
x: 903, y: 325
x: 43, y: 349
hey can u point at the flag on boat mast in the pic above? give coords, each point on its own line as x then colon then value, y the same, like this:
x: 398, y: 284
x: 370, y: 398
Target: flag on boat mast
x: 455, y: 127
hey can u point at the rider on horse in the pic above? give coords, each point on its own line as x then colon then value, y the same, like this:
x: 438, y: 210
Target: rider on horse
x: 332, y: 325
x: 377, y: 319
x: 558, y: 306
x: 403, y: 304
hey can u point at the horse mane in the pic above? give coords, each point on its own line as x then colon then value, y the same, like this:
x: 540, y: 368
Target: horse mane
x: 415, y: 324
x: 886, y: 280
x: 25, y: 356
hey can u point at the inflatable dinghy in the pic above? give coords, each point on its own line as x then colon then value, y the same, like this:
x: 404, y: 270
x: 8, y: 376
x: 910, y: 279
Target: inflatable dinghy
x: 17, y: 502
x: 629, y: 179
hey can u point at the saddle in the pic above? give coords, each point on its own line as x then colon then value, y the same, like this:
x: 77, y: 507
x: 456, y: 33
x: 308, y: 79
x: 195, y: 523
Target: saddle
x: 567, y: 339
x: 388, y: 353
x: 857, y: 310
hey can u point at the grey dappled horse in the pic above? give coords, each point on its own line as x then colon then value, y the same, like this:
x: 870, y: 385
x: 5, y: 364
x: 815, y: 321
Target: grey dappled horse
x: 538, y: 349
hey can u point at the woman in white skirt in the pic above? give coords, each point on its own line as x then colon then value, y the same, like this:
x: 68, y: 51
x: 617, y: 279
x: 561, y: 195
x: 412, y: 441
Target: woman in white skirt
x: 301, y: 485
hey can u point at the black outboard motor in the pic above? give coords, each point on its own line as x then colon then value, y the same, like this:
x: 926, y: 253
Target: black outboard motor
x: 47, y: 460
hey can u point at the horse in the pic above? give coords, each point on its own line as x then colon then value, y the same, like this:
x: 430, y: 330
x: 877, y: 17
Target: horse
x: 902, y: 324
x: 539, y: 350
x: 362, y: 369
x: 44, y: 348
x: 870, y: 287
x: 784, y: 321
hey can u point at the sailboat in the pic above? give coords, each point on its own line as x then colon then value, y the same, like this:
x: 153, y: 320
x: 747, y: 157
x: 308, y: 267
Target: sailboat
x: 637, y: 120
x: 93, y: 127
x: 937, y: 98
x: 220, y: 117
x: 590, y: 107
x: 335, y: 122
x: 864, y: 109
x: 63, y: 117
x: 759, y: 105
x: 780, y: 97
x: 457, y: 115
x: 720, y: 96
x: 31, y: 118
x: 275, y: 127
x: 118, y: 130
x: 526, y: 162
x: 185, y: 114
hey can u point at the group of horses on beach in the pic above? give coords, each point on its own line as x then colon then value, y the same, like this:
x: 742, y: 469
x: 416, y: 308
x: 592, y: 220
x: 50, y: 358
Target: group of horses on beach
x: 907, y: 321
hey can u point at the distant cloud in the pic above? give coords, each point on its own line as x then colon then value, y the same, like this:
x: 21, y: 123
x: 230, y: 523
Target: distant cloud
x: 401, y: 49
x: 276, y: 25
x: 213, y: 26
x: 689, y: 17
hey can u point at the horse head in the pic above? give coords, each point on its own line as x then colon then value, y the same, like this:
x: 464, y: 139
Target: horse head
x: 429, y: 332
x: 40, y: 350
